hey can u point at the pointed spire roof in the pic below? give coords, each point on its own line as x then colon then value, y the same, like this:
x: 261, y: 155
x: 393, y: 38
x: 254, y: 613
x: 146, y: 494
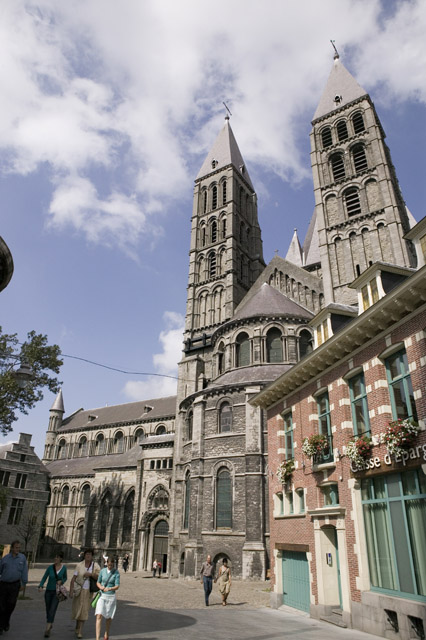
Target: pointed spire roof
x: 294, y: 253
x: 340, y: 83
x: 224, y: 152
x: 58, y: 405
x: 311, y: 251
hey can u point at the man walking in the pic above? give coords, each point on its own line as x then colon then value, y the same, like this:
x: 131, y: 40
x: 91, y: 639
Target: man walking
x: 207, y: 576
x: 13, y: 578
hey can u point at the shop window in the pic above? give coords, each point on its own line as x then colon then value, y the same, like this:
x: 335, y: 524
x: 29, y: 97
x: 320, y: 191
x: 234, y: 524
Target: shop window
x: 326, y: 138
x: 359, y: 405
x: 394, y: 509
x: 330, y: 494
x: 324, y: 427
x: 225, y: 417
x: 400, y: 387
x: 223, y: 500
x: 288, y: 435
x: 274, y: 346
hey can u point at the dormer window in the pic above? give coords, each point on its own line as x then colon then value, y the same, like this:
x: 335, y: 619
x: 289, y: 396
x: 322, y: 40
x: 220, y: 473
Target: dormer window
x: 369, y: 294
x: 147, y: 408
x: 322, y: 333
x: 91, y: 417
x: 214, y: 164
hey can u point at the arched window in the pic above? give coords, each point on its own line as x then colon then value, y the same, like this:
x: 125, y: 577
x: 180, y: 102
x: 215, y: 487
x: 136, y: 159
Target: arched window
x: 189, y: 424
x: 128, y: 517
x: 213, y: 231
x: 119, y: 442
x: 221, y: 358
x: 342, y: 131
x: 212, y: 265
x: 274, y: 346
x: 160, y: 430
x: 242, y: 350
x: 203, y: 235
x: 65, y: 495
x: 85, y: 494
x: 326, y: 138
x: 204, y: 201
x: 83, y: 447
x: 62, y: 449
x: 100, y: 445
x: 161, y: 500
x: 241, y: 198
x: 224, y: 192
x: 214, y: 197
x: 358, y: 122
x: 359, y: 158
x: 241, y: 232
x: 352, y: 201
x: 105, y: 512
x: 223, y: 500
x: 187, y: 500
x: 337, y: 166
x: 139, y: 435
x: 305, y: 343
x: 225, y: 417
x: 161, y: 528
x: 223, y: 228
x: 60, y: 534
x: 80, y: 534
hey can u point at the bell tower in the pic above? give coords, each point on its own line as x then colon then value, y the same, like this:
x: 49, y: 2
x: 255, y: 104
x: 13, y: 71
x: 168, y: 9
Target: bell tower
x: 360, y: 212
x: 226, y: 253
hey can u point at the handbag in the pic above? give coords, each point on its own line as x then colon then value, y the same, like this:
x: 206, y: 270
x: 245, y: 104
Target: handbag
x: 61, y: 591
x: 99, y: 593
x: 93, y: 585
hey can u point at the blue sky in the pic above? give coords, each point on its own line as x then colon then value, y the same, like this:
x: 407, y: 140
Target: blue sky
x: 107, y: 112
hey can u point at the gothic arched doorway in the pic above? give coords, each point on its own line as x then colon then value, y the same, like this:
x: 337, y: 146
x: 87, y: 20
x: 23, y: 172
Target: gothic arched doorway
x: 161, y: 543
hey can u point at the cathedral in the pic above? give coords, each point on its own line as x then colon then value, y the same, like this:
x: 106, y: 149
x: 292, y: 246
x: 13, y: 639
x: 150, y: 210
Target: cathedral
x: 177, y: 478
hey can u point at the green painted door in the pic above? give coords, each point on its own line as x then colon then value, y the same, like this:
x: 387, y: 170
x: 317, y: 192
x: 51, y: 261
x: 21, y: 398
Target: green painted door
x: 296, y: 590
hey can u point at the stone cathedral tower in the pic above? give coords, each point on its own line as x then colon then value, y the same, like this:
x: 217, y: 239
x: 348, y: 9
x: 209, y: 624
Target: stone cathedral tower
x: 360, y: 214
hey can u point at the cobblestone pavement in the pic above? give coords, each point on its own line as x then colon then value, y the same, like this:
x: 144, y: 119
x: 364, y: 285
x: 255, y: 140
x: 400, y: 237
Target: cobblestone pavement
x: 169, y: 609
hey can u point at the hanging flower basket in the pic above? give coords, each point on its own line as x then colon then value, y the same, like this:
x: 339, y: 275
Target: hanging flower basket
x: 316, y: 444
x: 284, y: 471
x: 400, y: 435
x: 358, y: 449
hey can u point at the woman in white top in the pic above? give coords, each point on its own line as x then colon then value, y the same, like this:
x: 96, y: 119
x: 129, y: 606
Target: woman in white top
x: 108, y: 583
x: 80, y: 590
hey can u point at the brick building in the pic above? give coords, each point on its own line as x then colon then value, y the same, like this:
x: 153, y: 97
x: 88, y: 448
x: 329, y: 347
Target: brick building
x: 24, y: 487
x: 347, y: 536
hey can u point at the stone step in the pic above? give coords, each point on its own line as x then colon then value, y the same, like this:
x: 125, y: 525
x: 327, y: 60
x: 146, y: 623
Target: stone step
x: 335, y: 619
x: 337, y: 612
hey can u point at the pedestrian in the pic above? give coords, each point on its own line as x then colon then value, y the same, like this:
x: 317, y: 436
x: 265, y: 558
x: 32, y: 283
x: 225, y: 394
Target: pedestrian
x: 13, y: 578
x: 108, y: 583
x: 80, y: 590
x: 55, y: 574
x: 207, y: 577
x: 126, y: 562
x: 159, y: 569
x: 154, y: 568
x: 105, y: 558
x: 224, y: 581
x: 116, y: 562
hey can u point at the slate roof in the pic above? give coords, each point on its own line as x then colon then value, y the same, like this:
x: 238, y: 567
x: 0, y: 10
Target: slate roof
x: 294, y: 253
x: 87, y: 466
x: 129, y: 412
x: 253, y: 374
x: 224, y: 151
x: 341, y: 83
x: 268, y: 301
x: 58, y: 405
x: 311, y: 252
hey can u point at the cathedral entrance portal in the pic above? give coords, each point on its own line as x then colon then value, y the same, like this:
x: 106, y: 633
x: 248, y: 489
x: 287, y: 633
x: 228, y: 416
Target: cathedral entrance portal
x: 161, y: 542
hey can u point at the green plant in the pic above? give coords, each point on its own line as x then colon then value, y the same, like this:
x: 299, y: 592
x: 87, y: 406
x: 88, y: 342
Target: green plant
x: 284, y: 471
x: 399, y: 435
x: 358, y: 449
x: 316, y: 443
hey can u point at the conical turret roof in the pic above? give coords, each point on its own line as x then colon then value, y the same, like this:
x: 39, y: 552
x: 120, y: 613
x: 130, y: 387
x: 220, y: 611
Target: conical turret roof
x: 294, y: 253
x: 58, y: 405
x: 224, y: 152
x: 340, y: 83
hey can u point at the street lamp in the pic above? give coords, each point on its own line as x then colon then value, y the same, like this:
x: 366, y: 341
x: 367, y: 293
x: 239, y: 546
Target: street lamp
x: 23, y: 375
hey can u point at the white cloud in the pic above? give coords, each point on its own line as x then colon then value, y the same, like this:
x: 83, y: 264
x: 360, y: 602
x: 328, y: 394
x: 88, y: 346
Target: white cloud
x: 165, y: 363
x: 116, y: 98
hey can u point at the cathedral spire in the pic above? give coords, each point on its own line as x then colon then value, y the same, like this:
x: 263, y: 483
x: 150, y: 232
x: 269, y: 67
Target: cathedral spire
x: 223, y: 153
x: 294, y: 253
x: 340, y: 90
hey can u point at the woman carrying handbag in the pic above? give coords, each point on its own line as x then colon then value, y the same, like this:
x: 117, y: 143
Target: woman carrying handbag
x: 108, y: 583
x: 80, y: 590
x: 56, y: 576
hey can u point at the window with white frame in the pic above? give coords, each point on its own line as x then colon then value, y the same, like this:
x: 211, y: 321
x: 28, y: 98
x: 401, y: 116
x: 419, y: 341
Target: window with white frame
x: 400, y: 386
x: 359, y: 405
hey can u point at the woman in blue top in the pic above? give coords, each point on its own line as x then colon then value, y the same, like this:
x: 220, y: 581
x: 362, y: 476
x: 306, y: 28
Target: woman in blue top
x: 55, y: 574
x: 108, y: 583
